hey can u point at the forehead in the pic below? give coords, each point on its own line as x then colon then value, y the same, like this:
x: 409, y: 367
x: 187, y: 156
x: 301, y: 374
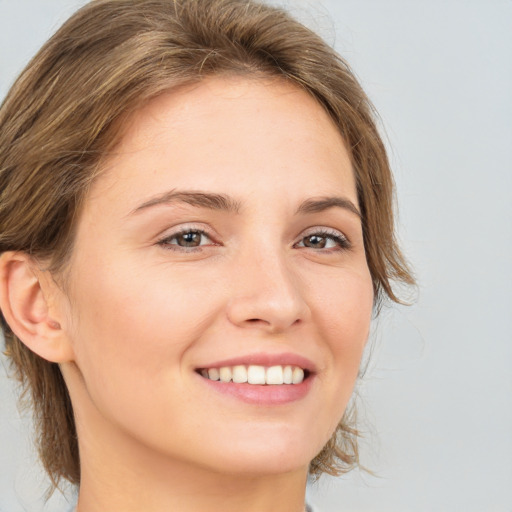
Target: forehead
x: 227, y: 133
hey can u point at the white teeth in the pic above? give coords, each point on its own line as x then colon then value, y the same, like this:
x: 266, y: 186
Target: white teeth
x: 255, y: 374
x: 287, y: 375
x: 298, y: 375
x: 213, y: 374
x: 275, y: 375
x: 239, y: 374
x: 225, y: 374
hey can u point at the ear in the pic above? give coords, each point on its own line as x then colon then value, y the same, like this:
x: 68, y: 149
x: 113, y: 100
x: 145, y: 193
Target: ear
x: 32, y: 305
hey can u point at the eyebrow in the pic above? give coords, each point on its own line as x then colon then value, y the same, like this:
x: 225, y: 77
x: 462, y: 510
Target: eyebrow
x: 200, y: 199
x: 214, y: 201
x: 320, y: 204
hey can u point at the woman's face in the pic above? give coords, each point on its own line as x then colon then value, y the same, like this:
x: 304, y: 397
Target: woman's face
x: 224, y: 232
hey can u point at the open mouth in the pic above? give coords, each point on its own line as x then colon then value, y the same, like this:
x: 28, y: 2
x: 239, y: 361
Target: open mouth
x: 257, y: 375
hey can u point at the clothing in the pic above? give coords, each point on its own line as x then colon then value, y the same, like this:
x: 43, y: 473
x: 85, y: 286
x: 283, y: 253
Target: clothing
x: 309, y: 508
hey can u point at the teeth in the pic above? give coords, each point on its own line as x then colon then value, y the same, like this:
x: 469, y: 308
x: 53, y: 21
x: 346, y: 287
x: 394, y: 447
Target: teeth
x: 287, y: 374
x: 213, y: 374
x: 275, y: 375
x: 239, y: 374
x: 298, y: 375
x: 254, y: 374
x: 225, y: 374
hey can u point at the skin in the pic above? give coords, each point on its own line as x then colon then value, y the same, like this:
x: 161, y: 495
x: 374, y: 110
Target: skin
x: 139, y: 313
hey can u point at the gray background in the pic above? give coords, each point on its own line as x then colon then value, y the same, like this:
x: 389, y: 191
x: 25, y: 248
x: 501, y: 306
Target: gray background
x: 436, y: 400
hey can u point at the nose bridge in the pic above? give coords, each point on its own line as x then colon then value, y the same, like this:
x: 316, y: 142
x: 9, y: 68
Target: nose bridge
x: 266, y: 291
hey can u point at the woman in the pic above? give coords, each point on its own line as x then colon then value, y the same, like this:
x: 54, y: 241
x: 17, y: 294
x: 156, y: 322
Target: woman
x: 196, y: 226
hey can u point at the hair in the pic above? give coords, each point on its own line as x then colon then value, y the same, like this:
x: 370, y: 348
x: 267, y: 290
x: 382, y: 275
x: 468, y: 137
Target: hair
x: 66, y: 112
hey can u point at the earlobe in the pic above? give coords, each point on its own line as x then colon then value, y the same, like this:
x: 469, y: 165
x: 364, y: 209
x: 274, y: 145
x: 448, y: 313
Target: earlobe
x: 24, y: 294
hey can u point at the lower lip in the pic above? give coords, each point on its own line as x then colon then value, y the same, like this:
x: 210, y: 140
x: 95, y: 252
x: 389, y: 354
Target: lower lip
x: 262, y: 394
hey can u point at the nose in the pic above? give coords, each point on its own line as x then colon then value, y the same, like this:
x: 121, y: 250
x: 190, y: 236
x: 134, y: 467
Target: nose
x: 266, y: 294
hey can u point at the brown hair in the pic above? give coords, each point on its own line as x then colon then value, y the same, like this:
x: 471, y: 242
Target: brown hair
x: 63, y: 115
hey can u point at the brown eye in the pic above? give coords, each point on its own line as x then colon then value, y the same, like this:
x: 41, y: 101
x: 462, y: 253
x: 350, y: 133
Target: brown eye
x: 315, y: 241
x: 325, y: 240
x: 190, y: 239
x: 186, y: 239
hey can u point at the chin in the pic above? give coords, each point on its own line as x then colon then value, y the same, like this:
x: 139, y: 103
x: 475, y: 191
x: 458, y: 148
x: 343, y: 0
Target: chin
x: 259, y: 465
x: 271, y: 456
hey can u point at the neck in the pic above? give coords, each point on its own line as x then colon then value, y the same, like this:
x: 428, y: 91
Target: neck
x: 194, y: 493
x: 164, y: 486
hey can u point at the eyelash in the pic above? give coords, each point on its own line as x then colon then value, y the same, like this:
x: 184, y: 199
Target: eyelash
x: 340, y: 240
x: 166, y: 242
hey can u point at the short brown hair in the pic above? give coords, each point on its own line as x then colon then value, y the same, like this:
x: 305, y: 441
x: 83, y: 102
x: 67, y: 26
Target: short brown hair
x: 63, y: 115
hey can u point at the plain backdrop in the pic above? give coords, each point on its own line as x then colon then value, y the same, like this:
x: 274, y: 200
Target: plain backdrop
x: 436, y: 400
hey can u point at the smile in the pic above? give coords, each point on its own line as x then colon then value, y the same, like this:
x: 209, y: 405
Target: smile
x: 256, y: 374
x: 261, y: 379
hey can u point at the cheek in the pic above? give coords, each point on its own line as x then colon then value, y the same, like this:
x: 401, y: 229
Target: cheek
x: 346, y: 315
x: 144, y: 310
x: 346, y: 306
x: 134, y: 329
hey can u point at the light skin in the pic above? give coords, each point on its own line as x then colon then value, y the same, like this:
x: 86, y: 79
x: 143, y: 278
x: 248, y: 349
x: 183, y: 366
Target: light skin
x: 254, y: 176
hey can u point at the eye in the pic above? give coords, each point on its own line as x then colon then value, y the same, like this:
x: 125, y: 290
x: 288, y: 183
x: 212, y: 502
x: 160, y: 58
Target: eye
x: 186, y: 239
x: 324, y: 239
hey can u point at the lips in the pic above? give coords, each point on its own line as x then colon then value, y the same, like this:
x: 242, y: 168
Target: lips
x: 263, y: 379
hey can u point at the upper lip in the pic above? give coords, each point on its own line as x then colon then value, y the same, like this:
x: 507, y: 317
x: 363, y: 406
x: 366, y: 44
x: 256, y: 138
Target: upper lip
x: 264, y: 359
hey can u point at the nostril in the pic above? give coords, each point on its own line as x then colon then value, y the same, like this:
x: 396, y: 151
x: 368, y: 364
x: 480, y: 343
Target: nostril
x: 256, y: 321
